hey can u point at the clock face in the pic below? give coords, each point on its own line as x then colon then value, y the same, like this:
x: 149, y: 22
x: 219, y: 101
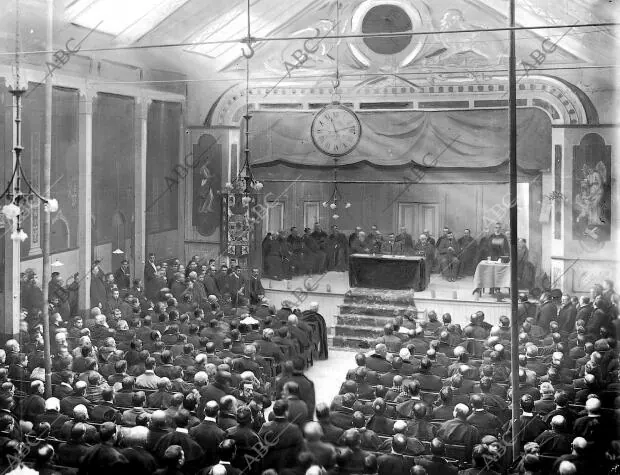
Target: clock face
x: 336, y: 130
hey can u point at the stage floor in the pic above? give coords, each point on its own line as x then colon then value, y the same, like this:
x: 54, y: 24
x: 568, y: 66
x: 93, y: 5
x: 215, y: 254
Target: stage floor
x: 338, y: 283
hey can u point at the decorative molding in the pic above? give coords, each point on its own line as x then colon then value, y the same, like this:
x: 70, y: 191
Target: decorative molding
x: 557, y: 99
x: 88, y: 84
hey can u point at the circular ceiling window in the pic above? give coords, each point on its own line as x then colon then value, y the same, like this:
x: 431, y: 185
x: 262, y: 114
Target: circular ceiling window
x: 387, y: 19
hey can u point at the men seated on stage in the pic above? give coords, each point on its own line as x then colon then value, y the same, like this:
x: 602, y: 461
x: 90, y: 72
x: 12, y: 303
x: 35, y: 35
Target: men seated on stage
x: 361, y: 244
x: 430, y: 237
x: 424, y: 248
x: 406, y: 241
x: 391, y: 246
x: 444, y: 235
x: 469, y: 250
x: 448, y: 250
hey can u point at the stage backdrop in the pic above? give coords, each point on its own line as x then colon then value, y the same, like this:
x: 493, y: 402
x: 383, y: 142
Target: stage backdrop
x: 460, y: 139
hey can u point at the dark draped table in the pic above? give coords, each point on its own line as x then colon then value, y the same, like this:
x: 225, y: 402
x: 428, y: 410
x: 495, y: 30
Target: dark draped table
x: 388, y: 272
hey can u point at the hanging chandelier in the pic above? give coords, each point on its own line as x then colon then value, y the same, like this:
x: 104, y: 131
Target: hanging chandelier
x: 336, y: 196
x: 244, y: 183
x: 20, y: 199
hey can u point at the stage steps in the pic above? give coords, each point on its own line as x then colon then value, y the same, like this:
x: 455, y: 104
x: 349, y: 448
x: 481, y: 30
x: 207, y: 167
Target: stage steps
x: 364, y: 312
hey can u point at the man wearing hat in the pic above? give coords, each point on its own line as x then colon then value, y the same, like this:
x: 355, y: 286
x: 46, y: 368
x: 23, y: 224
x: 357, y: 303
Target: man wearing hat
x: 263, y: 311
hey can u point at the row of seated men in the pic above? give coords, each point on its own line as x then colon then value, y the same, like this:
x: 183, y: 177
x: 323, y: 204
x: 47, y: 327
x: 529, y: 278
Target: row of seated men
x: 428, y: 386
x: 107, y: 340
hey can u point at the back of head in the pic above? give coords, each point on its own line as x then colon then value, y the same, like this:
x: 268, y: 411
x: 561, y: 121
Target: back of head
x: 399, y: 443
x: 359, y: 420
x: 107, y: 431
x: 461, y: 411
x: 438, y: 448
x: 313, y: 431
x: 527, y: 403
x: 322, y: 411
x: 567, y: 468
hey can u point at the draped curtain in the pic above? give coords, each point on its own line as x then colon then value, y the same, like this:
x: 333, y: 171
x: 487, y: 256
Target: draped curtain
x: 454, y: 139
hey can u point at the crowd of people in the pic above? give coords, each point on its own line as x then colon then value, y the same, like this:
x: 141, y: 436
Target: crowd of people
x: 148, y: 383
x: 316, y: 252
x: 436, y: 398
x: 163, y: 380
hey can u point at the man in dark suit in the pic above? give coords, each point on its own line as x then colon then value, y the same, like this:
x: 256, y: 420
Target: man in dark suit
x: 584, y: 309
x: 436, y: 464
x: 377, y: 361
x: 267, y: 348
x: 331, y: 433
x: 531, y: 424
x: 103, y: 457
x: 78, y: 397
x: 254, y: 290
x: 193, y: 452
x: 567, y: 315
x: 284, y: 439
x: 393, y: 463
x: 150, y: 274
x: 214, y: 391
x: 459, y: 431
x: 208, y: 435
x: 448, y: 249
x: 122, y: 276
x: 547, y: 312
x: 428, y: 381
x: 247, y: 362
x: 484, y: 421
x: 556, y: 441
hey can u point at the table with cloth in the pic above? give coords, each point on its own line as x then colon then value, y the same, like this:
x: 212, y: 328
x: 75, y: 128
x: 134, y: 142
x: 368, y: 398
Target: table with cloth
x: 383, y: 271
x: 492, y: 275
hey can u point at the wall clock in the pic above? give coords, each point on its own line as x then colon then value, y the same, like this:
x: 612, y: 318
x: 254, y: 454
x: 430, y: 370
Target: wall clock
x: 336, y: 130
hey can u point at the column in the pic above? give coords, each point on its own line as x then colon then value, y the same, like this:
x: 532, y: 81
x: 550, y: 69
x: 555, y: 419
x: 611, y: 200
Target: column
x: 185, y: 149
x: 9, y: 328
x: 85, y: 171
x: 141, y: 119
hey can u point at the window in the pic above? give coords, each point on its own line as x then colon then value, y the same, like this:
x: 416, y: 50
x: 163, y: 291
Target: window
x: 275, y: 216
x: 136, y: 19
x: 311, y: 213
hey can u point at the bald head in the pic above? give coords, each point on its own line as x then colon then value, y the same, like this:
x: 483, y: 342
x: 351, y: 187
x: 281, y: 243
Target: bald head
x: 313, y: 431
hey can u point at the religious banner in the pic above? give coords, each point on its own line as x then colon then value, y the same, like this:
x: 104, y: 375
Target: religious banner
x: 237, y: 225
x: 207, y: 166
x: 592, y: 190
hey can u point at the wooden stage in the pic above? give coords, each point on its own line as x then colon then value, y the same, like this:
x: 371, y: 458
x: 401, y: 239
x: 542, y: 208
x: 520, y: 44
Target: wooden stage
x: 329, y: 290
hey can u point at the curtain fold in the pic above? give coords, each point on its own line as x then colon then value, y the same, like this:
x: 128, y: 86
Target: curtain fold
x: 450, y: 139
